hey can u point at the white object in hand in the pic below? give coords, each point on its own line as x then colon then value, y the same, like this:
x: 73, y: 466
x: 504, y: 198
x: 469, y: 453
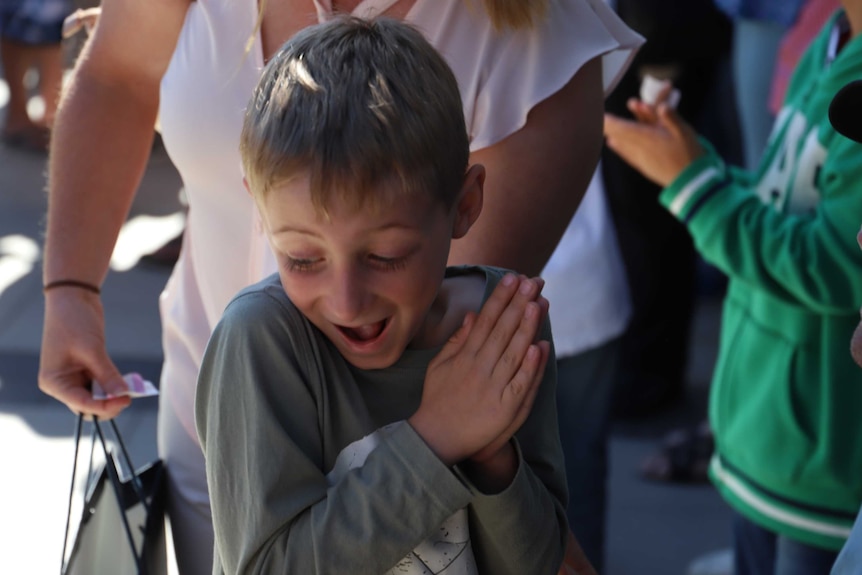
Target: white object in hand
x: 138, y: 387
x: 651, y: 87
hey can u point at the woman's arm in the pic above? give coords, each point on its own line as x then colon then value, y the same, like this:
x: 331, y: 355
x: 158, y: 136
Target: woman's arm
x: 100, y: 146
x: 536, y: 178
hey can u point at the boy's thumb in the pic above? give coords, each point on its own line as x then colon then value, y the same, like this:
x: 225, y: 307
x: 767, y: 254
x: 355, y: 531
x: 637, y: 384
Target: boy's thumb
x: 457, y: 339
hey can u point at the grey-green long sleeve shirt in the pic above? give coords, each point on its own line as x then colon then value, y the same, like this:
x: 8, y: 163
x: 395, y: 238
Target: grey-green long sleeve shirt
x: 276, y: 405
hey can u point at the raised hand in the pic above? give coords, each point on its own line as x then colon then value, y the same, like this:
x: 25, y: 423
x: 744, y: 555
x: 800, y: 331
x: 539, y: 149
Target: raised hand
x: 73, y: 354
x: 480, y: 387
x: 660, y: 144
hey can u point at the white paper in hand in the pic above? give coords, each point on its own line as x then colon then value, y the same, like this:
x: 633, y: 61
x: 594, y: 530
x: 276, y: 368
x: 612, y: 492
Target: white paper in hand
x: 138, y: 387
x: 651, y: 87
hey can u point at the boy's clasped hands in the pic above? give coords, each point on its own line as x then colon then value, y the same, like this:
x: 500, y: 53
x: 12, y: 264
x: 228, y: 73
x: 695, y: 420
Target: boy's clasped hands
x: 480, y: 388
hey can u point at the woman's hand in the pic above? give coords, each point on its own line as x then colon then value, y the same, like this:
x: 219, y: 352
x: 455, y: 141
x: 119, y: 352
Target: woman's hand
x: 73, y: 354
x: 659, y: 144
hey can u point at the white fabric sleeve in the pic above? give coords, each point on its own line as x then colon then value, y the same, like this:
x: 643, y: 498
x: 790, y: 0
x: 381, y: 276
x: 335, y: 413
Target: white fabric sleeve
x: 503, y: 74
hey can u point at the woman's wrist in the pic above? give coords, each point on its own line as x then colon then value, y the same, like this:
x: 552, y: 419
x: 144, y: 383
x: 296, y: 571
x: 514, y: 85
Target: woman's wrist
x: 68, y: 283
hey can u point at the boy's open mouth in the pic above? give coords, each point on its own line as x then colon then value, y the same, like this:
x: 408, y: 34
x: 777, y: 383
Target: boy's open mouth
x: 363, y: 333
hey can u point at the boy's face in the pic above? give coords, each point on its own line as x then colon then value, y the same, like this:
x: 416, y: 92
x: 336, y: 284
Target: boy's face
x: 366, y: 278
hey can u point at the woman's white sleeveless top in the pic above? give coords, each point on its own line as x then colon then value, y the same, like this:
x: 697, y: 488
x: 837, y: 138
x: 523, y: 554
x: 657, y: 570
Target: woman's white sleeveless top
x: 212, y: 75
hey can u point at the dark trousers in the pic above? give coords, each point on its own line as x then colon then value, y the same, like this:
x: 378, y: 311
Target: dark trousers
x: 585, y: 385
x: 758, y: 551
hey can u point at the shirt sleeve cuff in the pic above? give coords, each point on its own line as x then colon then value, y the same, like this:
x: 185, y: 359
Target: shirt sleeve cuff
x: 695, y: 185
x: 509, y: 495
x: 436, y: 479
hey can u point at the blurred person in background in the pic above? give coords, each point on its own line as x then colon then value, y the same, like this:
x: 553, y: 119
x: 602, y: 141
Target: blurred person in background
x: 31, y: 39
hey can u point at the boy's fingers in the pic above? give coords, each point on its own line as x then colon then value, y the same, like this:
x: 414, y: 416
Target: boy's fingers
x: 508, y: 324
x: 540, y: 282
x: 456, y: 340
x: 545, y: 305
x: 512, y: 357
x: 538, y: 377
x: 524, y: 387
x: 532, y: 391
x: 516, y: 391
x: 491, y: 311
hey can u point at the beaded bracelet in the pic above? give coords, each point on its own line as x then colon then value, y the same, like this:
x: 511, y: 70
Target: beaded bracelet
x: 71, y: 283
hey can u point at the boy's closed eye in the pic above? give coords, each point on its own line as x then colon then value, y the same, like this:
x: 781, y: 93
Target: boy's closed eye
x: 300, y: 264
x: 389, y: 263
x: 385, y: 263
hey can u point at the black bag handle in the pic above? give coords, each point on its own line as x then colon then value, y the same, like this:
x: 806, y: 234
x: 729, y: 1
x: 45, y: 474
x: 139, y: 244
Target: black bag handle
x: 78, y: 425
x: 113, y: 476
x: 135, y: 480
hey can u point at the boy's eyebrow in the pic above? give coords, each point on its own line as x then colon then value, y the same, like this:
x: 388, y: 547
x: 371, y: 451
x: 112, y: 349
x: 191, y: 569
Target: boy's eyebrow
x: 287, y: 229
x: 307, y: 232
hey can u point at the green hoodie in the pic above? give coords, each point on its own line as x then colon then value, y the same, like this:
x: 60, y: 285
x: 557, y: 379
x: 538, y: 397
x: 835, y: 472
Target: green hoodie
x: 786, y: 398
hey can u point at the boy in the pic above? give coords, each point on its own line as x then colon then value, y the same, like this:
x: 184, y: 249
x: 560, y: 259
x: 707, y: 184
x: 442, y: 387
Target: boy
x: 785, y: 395
x: 356, y: 414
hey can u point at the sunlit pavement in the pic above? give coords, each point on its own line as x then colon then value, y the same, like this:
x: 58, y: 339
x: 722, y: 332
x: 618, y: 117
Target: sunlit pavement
x: 652, y: 529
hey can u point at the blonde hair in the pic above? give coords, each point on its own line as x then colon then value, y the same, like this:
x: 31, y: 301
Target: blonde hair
x: 356, y: 104
x: 512, y: 14
x: 515, y: 14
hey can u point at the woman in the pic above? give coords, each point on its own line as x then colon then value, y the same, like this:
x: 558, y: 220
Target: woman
x: 531, y: 82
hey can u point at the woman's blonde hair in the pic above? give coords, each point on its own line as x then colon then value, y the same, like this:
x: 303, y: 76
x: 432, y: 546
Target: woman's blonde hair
x: 512, y: 14
x: 515, y: 14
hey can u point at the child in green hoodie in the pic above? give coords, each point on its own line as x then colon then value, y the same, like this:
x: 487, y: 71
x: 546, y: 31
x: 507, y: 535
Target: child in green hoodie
x: 785, y: 398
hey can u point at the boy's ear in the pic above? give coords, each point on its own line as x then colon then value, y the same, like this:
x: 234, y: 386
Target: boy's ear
x: 245, y: 185
x: 469, y: 203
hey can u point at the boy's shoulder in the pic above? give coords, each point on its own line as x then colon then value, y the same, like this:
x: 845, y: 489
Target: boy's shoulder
x: 468, y: 286
x: 264, y: 303
x: 465, y: 289
x: 269, y: 287
x: 490, y: 275
x: 472, y: 296
x: 263, y: 314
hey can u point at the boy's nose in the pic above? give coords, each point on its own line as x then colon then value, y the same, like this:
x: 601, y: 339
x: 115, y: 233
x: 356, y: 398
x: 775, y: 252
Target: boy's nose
x: 347, y: 297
